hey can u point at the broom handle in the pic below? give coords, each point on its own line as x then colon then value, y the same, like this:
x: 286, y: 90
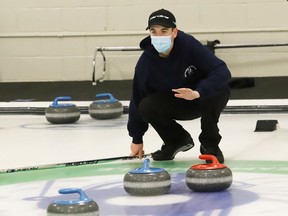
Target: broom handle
x: 68, y: 164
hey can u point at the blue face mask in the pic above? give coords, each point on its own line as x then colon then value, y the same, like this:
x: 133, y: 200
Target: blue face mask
x: 161, y: 43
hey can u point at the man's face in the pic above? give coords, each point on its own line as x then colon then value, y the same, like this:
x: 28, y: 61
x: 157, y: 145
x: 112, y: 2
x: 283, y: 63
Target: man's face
x: 158, y: 30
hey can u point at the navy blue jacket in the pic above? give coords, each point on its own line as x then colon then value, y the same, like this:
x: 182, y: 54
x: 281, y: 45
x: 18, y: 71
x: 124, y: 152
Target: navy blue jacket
x: 189, y: 65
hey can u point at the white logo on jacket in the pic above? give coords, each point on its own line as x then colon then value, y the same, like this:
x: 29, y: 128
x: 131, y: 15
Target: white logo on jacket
x: 190, y: 71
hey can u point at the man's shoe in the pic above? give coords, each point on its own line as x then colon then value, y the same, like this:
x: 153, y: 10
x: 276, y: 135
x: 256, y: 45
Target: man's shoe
x: 169, y: 152
x: 212, y: 151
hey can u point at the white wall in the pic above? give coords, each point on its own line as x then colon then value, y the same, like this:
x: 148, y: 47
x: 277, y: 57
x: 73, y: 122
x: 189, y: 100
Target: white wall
x: 54, y: 40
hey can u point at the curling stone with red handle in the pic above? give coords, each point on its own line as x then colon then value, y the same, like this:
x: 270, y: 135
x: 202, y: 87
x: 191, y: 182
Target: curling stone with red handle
x: 62, y: 113
x: 147, y: 181
x: 209, y: 177
x: 84, y: 206
x: 109, y: 108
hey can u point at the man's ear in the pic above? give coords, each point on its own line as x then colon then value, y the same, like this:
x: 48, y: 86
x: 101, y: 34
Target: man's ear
x: 175, y: 32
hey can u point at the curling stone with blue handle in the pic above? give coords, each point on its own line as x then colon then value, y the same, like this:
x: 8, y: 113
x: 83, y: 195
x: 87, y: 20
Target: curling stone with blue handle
x: 62, y: 113
x: 109, y: 108
x: 209, y: 177
x: 84, y: 206
x: 147, y: 181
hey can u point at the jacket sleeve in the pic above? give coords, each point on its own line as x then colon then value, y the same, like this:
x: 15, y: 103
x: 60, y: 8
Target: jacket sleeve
x: 136, y: 125
x: 216, y: 75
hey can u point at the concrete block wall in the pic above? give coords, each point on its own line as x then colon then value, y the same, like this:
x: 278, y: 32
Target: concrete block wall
x: 55, y: 40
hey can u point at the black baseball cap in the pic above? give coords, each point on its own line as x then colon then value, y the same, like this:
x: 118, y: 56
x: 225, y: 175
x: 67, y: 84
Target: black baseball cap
x: 162, y: 17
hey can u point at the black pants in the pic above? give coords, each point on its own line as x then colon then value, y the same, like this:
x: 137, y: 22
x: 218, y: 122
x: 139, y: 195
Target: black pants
x: 162, y: 110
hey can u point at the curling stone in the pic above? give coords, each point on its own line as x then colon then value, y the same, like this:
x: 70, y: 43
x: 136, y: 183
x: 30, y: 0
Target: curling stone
x: 209, y: 177
x: 147, y: 181
x: 109, y: 108
x: 84, y: 206
x: 64, y: 113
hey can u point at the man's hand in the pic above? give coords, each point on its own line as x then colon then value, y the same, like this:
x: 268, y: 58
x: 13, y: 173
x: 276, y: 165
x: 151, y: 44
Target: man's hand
x: 186, y: 93
x: 137, y: 150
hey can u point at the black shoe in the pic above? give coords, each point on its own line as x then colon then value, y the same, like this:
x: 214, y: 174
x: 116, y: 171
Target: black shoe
x: 212, y: 151
x: 168, y: 152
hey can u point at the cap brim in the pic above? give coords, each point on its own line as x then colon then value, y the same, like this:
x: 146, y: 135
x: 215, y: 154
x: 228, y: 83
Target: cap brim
x: 166, y: 25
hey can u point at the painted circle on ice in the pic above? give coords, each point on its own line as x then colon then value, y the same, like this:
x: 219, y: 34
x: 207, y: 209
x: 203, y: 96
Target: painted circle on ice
x: 142, y: 201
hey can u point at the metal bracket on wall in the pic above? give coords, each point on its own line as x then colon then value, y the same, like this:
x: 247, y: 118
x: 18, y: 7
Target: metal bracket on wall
x: 101, y: 50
